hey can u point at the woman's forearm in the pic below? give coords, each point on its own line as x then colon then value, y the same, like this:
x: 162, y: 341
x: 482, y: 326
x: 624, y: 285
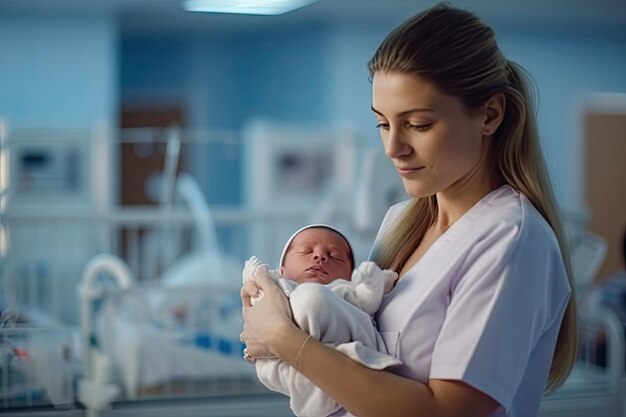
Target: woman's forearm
x: 360, y: 390
x: 269, y: 329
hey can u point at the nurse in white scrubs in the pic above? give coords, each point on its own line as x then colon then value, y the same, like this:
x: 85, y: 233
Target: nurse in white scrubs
x: 482, y: 315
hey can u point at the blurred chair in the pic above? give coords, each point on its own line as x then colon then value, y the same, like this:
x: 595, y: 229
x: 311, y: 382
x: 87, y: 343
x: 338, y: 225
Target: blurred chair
x: 596, y: 384
x: 587, y: 252
x: 592, y: 389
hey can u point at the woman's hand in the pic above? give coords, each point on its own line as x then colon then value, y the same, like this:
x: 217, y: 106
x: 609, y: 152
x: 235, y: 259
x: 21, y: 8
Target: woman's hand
x: 266, y: 321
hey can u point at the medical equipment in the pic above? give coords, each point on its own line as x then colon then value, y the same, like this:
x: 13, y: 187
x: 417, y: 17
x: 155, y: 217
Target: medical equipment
x: 167, y: 340
x: 598, y: 379
x: 327, y: 173
x: 593, y: 388
x: 96, y: 389
x: 146, y: 339
x: 180, y: 321
x: 302, y: 169
x: 587, y: 253
x: 35, y: 366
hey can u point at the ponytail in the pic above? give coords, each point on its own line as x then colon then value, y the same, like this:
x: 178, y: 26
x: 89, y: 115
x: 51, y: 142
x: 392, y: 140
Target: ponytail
x: 521, y: 164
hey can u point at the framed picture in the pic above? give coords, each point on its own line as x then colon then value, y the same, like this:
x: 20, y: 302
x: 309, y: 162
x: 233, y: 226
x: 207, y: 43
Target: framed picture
x: 293, y: 167
x: 290, y: 173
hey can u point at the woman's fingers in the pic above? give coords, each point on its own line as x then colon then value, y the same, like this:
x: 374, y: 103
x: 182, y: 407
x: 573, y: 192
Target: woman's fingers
x: 263, y: 321
x: 252, y: 289
x: 263, y: 279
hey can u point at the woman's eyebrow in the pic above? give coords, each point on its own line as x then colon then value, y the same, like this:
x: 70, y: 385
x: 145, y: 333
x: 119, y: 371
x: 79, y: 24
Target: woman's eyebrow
x: 405, y: 112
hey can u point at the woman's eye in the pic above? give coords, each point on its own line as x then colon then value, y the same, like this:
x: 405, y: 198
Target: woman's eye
x: 382, y: 125
x: 420, y: 127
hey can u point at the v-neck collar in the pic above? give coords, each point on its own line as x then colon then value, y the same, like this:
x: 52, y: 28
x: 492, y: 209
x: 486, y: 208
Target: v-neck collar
x: 455, y: 229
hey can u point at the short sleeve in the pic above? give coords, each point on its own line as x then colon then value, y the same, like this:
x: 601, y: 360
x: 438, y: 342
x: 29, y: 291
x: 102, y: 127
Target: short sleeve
x: 512, y: 286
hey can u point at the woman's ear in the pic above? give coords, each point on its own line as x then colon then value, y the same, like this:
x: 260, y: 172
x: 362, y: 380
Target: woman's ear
x: 494, y: 113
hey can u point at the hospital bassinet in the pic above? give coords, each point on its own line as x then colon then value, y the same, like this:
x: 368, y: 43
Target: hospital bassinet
x: 171, y: 336
x: 597, y: 382
x: 35, y: 365
x: 154, y: 341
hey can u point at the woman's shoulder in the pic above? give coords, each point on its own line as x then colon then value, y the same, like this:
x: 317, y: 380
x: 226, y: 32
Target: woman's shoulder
x: 504, y: 210
x: 512, y: 233
x: 507, y: 232
x: 510, y: 209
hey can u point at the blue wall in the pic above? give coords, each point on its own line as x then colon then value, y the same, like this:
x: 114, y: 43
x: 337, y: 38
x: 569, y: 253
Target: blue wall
x: 566, y: 68
x: 63, y: 72
x: 58, y: 71
x: 224, y: 81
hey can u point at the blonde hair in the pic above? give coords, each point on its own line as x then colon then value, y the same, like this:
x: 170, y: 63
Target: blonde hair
x: 457, y: 52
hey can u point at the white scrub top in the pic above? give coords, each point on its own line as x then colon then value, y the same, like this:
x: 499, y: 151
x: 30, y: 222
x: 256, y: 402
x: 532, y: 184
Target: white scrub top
x: 483, y: 305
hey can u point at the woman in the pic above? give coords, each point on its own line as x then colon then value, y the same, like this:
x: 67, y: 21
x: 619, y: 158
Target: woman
x: 482, y: 315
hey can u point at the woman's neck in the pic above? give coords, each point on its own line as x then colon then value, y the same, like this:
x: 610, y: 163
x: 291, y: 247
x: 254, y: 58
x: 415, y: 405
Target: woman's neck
x: 456, y: 200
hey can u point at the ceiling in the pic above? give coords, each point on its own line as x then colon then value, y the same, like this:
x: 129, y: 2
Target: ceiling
x: 152, y: 16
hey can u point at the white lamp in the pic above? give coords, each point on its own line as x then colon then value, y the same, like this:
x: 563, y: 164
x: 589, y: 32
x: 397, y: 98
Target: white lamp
x: 258, y: 7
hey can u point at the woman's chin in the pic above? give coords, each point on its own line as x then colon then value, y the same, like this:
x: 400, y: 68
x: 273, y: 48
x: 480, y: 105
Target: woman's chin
x: 417, y: 192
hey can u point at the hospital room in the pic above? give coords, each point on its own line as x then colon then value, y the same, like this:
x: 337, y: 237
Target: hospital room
x: 150, y: 148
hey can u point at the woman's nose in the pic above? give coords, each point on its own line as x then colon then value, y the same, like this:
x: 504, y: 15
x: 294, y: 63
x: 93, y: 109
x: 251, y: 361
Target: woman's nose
x: 396, y: 145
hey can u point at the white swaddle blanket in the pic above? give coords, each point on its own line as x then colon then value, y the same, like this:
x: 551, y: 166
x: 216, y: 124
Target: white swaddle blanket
x: 339, y: 315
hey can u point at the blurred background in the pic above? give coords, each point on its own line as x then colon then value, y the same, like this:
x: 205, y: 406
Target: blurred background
x: 147, y: 151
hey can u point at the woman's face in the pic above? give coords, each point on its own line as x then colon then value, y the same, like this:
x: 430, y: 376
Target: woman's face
x: 435, y: 143
x: 317, y: 255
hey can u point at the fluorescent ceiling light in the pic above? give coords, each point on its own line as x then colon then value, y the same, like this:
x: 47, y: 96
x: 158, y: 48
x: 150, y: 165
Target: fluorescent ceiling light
x: 261, y: 7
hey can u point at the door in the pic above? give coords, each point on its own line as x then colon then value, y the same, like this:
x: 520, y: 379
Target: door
x: 605, y: 178
x: 141, y: 159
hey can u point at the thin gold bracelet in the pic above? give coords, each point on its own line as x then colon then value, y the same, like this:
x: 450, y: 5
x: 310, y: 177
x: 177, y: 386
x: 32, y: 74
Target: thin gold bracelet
x: 299, y: 355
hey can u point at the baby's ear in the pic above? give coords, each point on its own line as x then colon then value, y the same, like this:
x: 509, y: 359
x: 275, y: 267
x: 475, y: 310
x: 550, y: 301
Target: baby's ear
x: 282, y: 270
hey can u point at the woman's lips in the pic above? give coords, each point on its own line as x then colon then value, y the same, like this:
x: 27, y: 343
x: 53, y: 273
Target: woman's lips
x: 407, y: 172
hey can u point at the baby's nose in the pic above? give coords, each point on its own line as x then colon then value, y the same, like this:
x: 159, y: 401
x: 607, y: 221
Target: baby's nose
x: 319, y: 256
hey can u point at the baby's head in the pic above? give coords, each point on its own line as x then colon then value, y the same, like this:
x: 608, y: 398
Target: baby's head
x: 317, y: 253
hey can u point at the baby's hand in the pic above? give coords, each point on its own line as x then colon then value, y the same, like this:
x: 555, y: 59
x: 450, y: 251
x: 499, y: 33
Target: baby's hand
x: 370, y: 283
x: 367, y: 273
x: 249, y: 268
x: 249, y: 273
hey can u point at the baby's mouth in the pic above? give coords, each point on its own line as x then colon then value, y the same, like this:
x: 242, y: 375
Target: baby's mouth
x: 317, y: 269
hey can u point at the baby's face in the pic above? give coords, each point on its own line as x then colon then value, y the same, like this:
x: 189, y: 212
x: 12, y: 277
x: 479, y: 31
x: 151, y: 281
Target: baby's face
x: 317, y: 255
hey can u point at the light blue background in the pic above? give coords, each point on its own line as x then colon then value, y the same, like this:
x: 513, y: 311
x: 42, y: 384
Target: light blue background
x: 74, y: 72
